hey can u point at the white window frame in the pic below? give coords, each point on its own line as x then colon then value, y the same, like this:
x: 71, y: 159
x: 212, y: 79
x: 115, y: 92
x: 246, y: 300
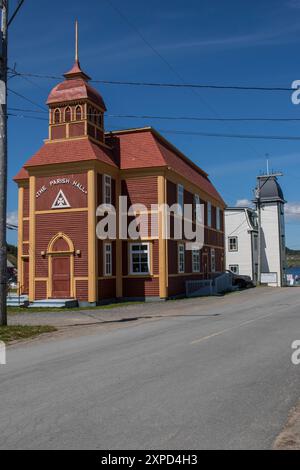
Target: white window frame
x: 180, y: 196
x: 196, y: 261
x: 213, y: 260
x: 107, y: 251
x: 107, y: 197
x: 131, y: 252
x: 197, y: 209
x: 218, y: 217
x: 236, y: 244
x: 209, y: 212
x: 236, y: 266
x: 181, y: 257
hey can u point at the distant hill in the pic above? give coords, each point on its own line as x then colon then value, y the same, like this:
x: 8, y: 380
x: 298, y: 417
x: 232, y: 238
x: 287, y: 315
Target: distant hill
x: 293, y: 257
x: 12, y: 254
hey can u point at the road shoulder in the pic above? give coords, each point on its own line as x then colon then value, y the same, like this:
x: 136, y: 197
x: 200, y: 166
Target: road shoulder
x: 289, y: 438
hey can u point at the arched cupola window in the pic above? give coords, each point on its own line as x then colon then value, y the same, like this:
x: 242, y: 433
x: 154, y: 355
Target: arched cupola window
x: 56, y: 116
x: 68, y: 114
x: 78, y: 113
x: 90, y: 114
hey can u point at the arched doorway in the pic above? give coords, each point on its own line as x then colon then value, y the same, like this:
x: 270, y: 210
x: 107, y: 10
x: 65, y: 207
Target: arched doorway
x: 61, y: 267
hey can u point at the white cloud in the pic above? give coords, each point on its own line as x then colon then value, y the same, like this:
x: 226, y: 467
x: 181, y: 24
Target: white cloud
x: 292, y: 211
x: 243, y: 203
x: 12, y: 218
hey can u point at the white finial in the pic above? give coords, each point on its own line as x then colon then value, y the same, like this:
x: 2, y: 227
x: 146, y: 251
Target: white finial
x: 76, y: 42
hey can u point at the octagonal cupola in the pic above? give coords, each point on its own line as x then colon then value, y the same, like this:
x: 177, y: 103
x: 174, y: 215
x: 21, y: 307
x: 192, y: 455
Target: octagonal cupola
x: 76, y: 109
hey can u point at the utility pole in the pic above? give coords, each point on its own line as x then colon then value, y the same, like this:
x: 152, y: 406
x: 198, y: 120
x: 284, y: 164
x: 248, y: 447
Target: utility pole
x: 259, y: 207
x: 3, y: 161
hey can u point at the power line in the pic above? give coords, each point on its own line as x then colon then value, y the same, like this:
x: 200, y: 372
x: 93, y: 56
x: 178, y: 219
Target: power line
x: 15, y: 12
x: 170, y: 85
x: 25, y: 98
x: 177, y: 118
x: 234, y: 136
x: 194, y: 133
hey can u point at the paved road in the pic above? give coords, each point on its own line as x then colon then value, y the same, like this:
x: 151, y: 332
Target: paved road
x: 216, y: 376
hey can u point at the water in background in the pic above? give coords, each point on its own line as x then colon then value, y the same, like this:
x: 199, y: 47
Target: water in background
x: 294, y: 271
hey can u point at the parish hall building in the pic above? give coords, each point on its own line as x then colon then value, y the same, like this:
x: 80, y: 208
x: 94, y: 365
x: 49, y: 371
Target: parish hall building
x: 79, y: 167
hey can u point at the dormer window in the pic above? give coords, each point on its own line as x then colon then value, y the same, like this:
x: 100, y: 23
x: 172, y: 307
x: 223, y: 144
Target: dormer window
x: 57, y: 116
x: 68, y: 114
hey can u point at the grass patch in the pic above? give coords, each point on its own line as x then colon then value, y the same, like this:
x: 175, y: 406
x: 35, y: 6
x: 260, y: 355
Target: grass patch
x: 14, y: 332
x: 15, y: 310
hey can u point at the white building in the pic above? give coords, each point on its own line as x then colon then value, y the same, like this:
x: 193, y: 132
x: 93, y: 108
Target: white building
x: 242, y: 236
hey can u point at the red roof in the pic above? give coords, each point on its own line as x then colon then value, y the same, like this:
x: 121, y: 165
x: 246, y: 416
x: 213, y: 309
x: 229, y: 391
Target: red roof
x: 75, y: 89
x: 70, y: 151
x: 22, y: 175
x: 139, y: 148
x: 145, y: 148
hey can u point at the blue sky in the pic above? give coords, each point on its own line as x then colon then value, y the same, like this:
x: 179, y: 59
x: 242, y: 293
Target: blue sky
x: 217, y: 42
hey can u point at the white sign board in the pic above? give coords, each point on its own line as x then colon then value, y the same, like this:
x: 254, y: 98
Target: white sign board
x: 2, y: 353
x: 268, y: 278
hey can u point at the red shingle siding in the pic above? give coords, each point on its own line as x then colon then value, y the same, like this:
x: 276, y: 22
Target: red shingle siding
x: 25, y: 230
x: 75, y: 226
x: 26, y: 203
x: 107, y: 289
x: 76, y: 129
x: 40, y: 290
x: 58, y: 132
x: 82, y: 290
x: 145, y: 287
x: 76, y: 197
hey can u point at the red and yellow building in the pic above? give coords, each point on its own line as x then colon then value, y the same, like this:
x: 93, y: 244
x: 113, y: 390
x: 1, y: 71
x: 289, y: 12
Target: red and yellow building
x: 81, y: 166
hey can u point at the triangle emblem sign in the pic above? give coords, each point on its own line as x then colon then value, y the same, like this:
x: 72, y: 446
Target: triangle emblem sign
x: 61, y: 202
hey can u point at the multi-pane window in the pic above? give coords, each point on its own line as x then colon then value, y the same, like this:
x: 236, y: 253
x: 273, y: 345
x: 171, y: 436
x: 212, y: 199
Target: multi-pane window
x: 209, y: 214
x: 106, y: 189
x: 196, y: 261
x: 197, y: 209
x: 233, y: 243
x: 181, y: 260
x: 107, y: 259
x: 234, y: 268
x: 213, y: 260
x: 218, y: 215
x: 139, y: 258
x: 180, y: 196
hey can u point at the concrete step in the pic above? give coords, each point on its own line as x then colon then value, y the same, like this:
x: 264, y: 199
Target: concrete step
x: 13, y: 300
x: 54, y: 303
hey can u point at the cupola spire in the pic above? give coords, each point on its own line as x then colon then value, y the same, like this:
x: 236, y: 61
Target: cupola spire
x: 76, y: 71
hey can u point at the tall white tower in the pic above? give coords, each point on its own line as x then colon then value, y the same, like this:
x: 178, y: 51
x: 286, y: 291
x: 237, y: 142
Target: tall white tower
x: 270, y: 206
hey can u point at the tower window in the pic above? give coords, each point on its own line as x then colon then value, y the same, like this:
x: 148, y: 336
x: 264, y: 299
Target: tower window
x: 78, y: 113
x: 68, y: 114
x: 57, y: 116
x: 90, y: 114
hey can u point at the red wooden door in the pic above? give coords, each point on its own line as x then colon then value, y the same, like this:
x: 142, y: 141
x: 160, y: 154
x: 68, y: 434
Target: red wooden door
x: 61, y: 278
x: 25, y: 286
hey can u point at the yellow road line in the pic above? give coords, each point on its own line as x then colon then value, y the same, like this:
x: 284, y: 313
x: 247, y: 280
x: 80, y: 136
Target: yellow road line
x: 218, y: 333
